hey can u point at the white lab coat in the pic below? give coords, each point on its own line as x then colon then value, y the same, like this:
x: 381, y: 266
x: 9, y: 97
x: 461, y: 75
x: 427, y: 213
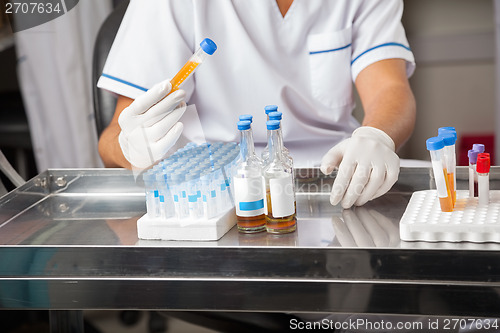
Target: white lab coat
x: 54, y: 69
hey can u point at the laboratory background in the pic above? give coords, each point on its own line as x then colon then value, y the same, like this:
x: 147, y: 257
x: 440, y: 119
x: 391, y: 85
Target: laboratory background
x: 46, y: 104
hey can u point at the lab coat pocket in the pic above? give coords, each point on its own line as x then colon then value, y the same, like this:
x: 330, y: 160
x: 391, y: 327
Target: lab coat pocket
x: 330, y: 68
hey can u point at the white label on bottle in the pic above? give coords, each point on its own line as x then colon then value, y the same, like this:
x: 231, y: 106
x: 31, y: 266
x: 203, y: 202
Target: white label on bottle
x: 249, y: 196
x: 437, y: 167
x: 282, y: 196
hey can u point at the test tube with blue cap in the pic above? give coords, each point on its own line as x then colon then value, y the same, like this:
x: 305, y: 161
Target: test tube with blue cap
x: 435, y: 146
x: 207, y: 47
x: 449, y: 135
x: 194, y: 182
x: 450, y: 160
x: 165, y: 199
x: 149, y: 184
x: 192, y: 194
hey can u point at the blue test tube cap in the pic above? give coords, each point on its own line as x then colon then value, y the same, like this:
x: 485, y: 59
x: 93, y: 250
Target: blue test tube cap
x: 208, y: 46
x: 244, y: 125
x: 270, y: 108
x: 448, y: 137
x: 273, y: 124
x: 472, y: 155
x: 478, y: 147
x: 275, y: 115
x: 434, y: 143
x: 248, y: 117
x: 445, y: 129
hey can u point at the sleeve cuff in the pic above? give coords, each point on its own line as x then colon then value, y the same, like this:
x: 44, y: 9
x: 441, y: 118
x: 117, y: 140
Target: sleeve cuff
x: 120, y: 86
x: 382, y: 52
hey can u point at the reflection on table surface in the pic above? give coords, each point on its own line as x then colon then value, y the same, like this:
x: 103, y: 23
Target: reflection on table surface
x: 101, y: 207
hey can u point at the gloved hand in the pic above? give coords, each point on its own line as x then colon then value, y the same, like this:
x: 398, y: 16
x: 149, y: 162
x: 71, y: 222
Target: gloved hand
x: 149, y: 126
x: 367, y: 167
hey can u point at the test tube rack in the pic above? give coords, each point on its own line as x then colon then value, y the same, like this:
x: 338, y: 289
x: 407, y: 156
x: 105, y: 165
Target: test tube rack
x: 186, y: 230
x: 189, y: 195
x: 423, y: 219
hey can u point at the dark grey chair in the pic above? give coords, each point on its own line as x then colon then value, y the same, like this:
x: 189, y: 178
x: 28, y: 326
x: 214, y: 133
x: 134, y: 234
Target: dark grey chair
x: 104, y: 101
x: 104, y: 107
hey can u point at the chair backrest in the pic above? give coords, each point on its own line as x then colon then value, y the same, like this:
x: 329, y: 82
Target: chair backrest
x: 104, y: 101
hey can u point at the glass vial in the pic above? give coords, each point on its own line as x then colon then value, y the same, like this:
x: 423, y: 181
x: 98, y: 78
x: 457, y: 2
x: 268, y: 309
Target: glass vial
x: 280, y: 191
x: 249, y: 185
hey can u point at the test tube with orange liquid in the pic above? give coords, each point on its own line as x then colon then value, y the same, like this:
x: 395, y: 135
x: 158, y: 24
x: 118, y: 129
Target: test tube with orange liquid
x: 435, y: 146
x: 449, y: 139
x: 207, y: 47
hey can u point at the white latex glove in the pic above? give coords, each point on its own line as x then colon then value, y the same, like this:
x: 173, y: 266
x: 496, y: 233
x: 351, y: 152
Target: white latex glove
x: 149, y: 126
x: 367, y: 167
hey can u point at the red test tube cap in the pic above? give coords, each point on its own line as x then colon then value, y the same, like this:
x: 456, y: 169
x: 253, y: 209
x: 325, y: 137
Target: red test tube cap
x: 483, y: 163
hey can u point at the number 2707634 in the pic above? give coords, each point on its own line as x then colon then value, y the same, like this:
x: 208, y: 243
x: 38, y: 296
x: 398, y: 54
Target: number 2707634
x: 32, y: 8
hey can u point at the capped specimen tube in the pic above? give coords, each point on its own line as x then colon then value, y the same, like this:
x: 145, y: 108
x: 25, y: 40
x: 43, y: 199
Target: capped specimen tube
x: 449, y: 139
x: 207, y: 47
x: 435, y: 146
x: 472, y: 155
x: 483, y: 178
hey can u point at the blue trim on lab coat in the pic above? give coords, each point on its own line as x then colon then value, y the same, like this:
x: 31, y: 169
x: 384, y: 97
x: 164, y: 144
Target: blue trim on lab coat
x: 379, y: 46
x: 332, y: 50
x: 124, y: 82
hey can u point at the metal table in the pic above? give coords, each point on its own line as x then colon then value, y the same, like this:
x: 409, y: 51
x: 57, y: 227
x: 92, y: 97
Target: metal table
x: 68, y: 241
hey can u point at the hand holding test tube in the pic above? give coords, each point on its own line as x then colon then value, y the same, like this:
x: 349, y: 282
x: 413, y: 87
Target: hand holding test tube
x: 150, y: 126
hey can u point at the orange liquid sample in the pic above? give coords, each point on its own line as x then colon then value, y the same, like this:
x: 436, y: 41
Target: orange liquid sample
x: 279, y: 225
x: 251, y: 224
x: 183, y: 74
x: 447, y: 202
x: 451, y: 183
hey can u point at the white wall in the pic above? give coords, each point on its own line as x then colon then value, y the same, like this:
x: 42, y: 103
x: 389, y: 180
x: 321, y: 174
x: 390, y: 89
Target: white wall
x: 454, y: 84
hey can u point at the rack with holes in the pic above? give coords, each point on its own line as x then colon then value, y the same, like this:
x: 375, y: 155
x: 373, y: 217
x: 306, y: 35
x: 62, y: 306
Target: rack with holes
x: 423, y: 219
